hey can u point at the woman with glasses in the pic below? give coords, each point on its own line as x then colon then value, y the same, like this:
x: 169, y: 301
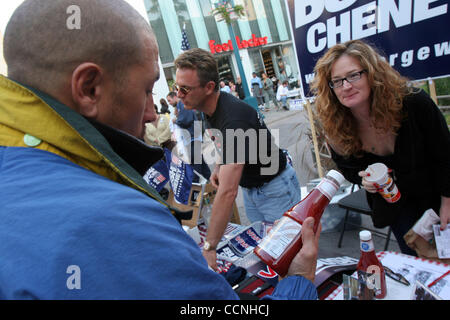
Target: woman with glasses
x: 370, y: 114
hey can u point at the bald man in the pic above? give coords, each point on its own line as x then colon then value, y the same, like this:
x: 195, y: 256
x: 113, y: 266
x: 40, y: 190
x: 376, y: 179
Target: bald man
x: 78, y: 220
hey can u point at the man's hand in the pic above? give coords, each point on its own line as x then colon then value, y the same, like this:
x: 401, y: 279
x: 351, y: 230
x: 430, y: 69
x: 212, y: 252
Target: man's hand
x: 304, y: 263
x: 230, y: 175
x: 211, y: 258
x: 214, y: 178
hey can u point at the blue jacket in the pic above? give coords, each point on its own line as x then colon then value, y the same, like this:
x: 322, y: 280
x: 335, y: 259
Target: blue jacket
x: 78, y: 222
x: 186, y: 118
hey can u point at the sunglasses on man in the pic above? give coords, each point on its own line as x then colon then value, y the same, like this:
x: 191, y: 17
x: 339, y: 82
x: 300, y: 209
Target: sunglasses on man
x: 184, y: 89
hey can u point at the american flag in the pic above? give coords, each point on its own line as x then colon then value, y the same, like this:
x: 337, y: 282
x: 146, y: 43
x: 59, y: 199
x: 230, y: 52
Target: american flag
x: 160, y: 178
x: 184, y: 40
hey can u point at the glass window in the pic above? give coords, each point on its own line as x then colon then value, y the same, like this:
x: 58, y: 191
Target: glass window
x: 237, y: 30
x: 225, y: 69
x: 183, y: 17
x: 268, y: 63
x: 252, y: 19
x: 210, y: 21
x: 286, y: 18
x: 289, y: 61
x: 169, y: 72
x: 271, y: 21
x: 157, y: 23
x: 257, y: 61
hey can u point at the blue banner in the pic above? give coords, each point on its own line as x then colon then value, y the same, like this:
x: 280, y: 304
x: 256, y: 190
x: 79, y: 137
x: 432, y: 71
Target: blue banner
x: 158, y: 175
x: 180, y: 176
x: 413, y: 35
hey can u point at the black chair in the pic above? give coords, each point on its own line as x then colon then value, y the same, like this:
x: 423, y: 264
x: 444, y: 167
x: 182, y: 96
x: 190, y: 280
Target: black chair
x: 357, y: 202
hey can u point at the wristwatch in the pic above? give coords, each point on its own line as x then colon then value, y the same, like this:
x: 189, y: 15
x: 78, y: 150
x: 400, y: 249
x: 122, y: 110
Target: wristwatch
x: 208, y: 247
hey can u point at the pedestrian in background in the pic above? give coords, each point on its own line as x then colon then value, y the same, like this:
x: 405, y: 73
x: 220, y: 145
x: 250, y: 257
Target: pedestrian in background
x: 268, y: 93
x: 224, y: 87
x: 158, y: 133
x: 239, y: 88
x: 282, y: 93
x: 257, y: 89
x: 164, y: 106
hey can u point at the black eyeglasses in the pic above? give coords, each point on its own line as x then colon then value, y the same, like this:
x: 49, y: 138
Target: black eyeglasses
x: 337, y: 83
x: 184, y: 89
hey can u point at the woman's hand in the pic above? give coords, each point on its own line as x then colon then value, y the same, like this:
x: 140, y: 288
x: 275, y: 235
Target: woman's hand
x: 369, y: 186
x: 444, y: 212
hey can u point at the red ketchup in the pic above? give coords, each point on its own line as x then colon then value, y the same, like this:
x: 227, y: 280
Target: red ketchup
x: 284, y: 241
x: 370, y: 267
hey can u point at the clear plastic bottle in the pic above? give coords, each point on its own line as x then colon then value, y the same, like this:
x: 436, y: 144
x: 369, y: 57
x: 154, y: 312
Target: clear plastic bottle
x: 206, y: 211
x: 369, y: 265
x: 284, y: 241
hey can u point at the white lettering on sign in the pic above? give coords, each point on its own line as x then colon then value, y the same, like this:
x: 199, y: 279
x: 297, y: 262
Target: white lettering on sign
x: 422, y: 10
x: 364, y: 21
x: 407, y: 57
x: 361, y: 22
x: 423, y: 53
x: 401, y: 15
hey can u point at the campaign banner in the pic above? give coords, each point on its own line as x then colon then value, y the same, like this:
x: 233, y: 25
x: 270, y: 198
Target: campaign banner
x: 180, y: 176
x: 413, y: 35
x: 158, y: 175
x: 245, y: 242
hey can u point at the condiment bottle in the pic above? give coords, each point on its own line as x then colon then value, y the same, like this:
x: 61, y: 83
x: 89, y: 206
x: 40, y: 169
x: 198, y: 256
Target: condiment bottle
x: 378, y: 174
x: 284, y: 241
x: 369, y: 267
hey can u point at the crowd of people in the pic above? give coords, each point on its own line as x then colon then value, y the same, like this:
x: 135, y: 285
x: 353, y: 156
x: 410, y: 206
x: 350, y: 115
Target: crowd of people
x: 72, y: 155
x: 270, y: 93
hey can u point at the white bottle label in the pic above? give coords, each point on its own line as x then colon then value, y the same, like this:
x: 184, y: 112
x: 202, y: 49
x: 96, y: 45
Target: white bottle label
x: 276, y: 242
x: 328, y: 188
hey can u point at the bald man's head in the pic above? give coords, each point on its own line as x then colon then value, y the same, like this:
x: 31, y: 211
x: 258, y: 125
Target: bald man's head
x: 42, y: 51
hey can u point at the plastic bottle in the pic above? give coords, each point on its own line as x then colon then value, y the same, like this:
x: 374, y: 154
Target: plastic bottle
x: 284, y: 241
x: 206, y: 211
x: 370, y: 267
x: 387, y: 187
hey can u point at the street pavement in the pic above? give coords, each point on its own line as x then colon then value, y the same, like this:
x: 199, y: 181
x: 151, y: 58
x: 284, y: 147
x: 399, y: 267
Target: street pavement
x: 293, y: 127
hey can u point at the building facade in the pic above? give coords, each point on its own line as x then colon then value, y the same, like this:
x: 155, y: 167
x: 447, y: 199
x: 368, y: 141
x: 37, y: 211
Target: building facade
x: 264, y: 36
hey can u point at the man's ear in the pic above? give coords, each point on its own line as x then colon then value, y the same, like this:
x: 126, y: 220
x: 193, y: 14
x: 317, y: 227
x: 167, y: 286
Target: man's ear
x: 86, y: 89
x: 211, y: 87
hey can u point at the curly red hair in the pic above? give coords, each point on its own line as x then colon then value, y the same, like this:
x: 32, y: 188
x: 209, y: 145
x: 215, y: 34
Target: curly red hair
x: 388, y: 88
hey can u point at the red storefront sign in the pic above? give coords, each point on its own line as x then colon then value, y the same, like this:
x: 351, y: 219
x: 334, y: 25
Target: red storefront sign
x: 228, y: 46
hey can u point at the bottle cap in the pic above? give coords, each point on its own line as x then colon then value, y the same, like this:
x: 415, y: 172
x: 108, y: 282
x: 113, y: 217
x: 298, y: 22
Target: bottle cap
x: 336, y: 175
x: 378, y: 173
x: 365, y: 235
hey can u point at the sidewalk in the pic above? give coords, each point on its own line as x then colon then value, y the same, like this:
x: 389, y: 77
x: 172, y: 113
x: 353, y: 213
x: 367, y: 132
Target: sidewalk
x: 272, y: 115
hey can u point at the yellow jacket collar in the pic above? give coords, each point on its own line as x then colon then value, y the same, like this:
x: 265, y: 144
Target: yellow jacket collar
x: 26, y: 112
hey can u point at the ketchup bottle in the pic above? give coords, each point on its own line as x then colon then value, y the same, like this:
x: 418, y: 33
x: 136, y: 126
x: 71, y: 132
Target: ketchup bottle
x: 284, y: 241
x: 370, y: 266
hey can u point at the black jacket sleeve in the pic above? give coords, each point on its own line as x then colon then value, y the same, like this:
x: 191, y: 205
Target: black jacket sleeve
x: 430, y: 120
